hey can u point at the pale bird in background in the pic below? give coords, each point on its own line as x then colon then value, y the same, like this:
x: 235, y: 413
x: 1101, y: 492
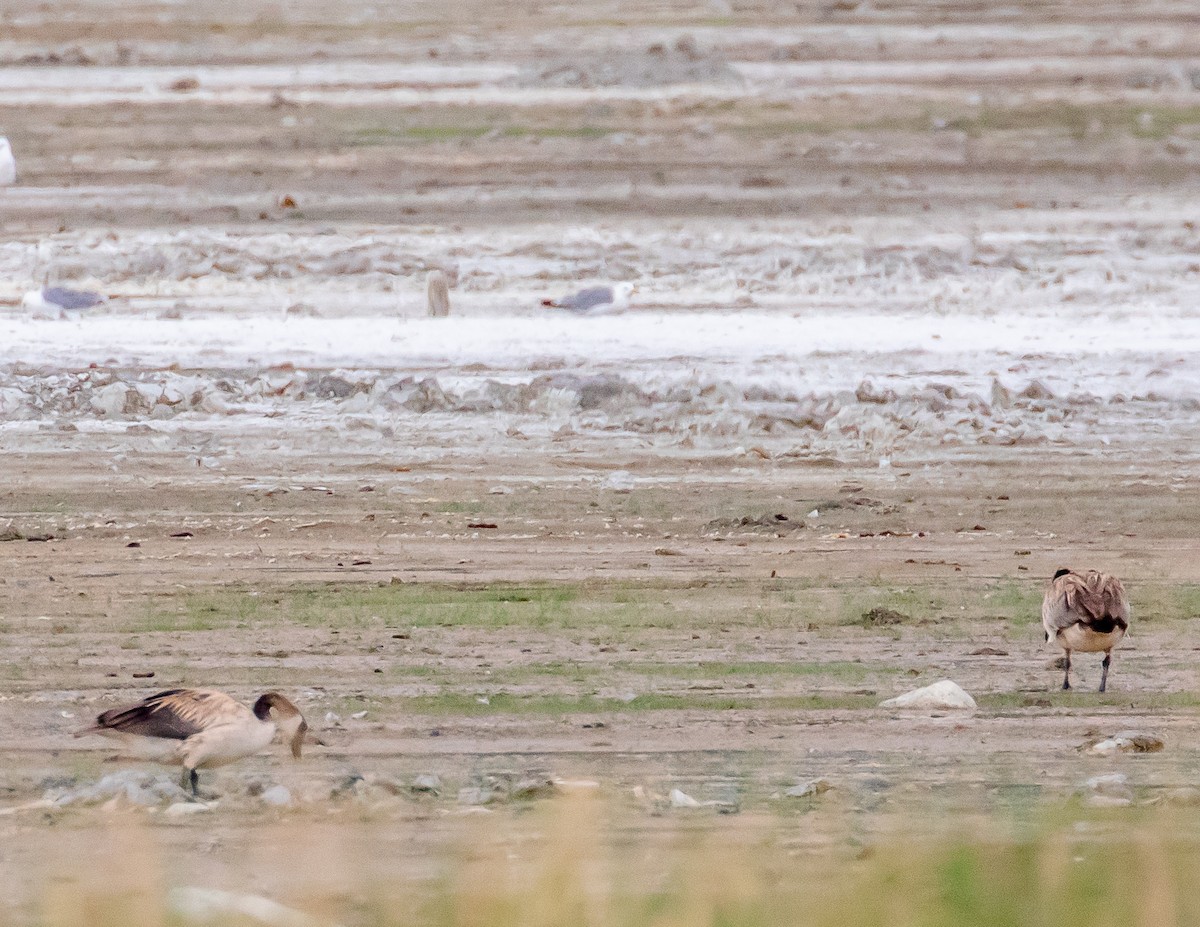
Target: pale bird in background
x: 8, y: 165
x: 62, y: 299
x: 200, y: 728
x: 437, y: 294
x: 596, y: 299
x: 1087, y: 612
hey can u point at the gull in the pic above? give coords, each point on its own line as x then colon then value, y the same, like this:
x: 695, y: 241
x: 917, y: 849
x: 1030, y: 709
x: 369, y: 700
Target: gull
x: 596, y: 299
x: 8, y: 166
x: 62, y: 299
x: 200, y: 728
x: 1087, y: 612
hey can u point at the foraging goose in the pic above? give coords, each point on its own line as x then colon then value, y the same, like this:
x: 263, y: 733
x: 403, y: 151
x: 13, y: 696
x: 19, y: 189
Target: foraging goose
x: 200, y: 728
x: 1086, y: 612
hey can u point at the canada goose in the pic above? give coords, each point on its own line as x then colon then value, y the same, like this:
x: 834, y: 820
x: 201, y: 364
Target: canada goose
x: 1086, y: 612
x: 200, y: 728
x: 437, y: 294
x: 596, y: 299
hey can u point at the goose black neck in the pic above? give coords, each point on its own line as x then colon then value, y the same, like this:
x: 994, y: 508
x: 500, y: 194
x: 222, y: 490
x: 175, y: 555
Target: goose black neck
x: 262, y: 708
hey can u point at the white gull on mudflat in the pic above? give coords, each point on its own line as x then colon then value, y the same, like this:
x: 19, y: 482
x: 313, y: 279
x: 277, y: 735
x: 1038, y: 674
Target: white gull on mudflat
x: 62, y: 299
x: 595, y: 299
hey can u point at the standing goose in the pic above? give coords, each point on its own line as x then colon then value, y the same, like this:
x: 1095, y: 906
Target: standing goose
x: 200, y: 728
x: 1086, y: 612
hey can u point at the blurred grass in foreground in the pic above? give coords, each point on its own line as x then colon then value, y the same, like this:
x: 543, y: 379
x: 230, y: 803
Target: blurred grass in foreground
x: 577, y: 862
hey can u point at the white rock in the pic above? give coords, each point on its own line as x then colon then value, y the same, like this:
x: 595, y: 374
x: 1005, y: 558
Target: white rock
x: 682, y: 800
x: 112, y: 399
x: 277, y: 795
x: 944, y: 694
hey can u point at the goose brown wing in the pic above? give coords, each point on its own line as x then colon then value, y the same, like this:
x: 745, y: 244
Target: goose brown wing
x: 175, y: 714
x: 1059, y: 603
x: 1109, y: 596
x: 1093, y: 599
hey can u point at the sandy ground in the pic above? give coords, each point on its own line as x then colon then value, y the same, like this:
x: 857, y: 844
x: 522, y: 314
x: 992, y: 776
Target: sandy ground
x: 915, y: 327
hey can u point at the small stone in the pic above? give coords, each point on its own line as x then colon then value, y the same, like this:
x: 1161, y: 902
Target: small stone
x: 1127, y: 742
x: 944, y: 694
x: 277, y: 795
x: 427, y: 782
x: 812, y: 787
x: 680, y: 799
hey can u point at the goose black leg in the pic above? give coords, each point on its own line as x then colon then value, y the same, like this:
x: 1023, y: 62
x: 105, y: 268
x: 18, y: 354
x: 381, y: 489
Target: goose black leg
x: 1104, y: 672
x: 1067, y: 676
x: 190, y: 780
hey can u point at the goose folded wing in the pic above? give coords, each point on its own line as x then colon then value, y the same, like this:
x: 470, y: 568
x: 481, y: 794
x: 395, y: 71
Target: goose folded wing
x: 1109, y: 596
x: 1066, y: 603
x: 175, y: 714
